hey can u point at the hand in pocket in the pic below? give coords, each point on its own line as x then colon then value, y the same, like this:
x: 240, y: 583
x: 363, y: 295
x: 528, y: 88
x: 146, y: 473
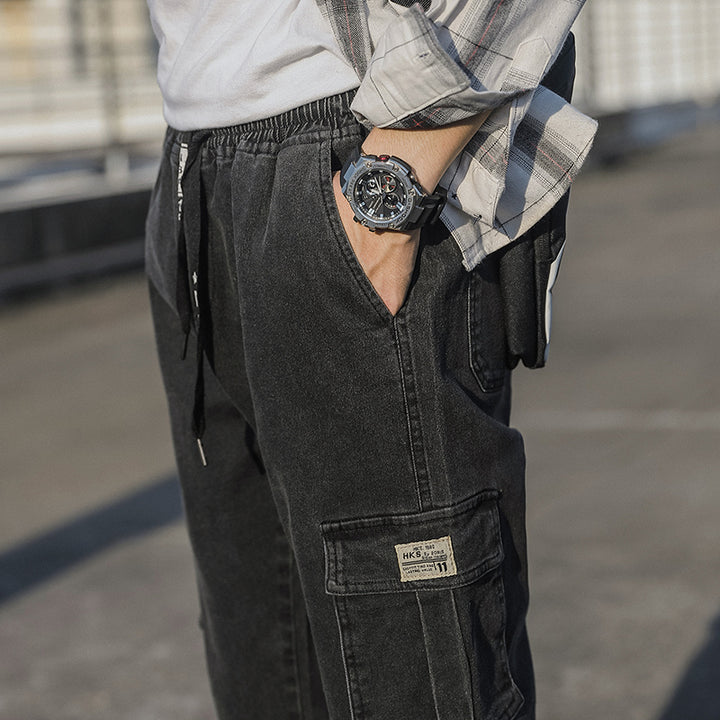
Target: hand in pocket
x: 387, y: 257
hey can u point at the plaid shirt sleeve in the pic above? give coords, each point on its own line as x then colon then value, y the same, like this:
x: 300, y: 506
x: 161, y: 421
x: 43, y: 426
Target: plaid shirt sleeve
x: 462, y: 57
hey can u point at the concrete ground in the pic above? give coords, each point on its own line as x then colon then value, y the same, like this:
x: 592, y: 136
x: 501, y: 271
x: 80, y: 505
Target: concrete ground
x: 97, y: 604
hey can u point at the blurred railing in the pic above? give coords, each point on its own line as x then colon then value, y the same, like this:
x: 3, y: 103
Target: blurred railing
x: 635, y: 54
x: 76, y: 75
x: 79, y: 75
x: 80, y: 133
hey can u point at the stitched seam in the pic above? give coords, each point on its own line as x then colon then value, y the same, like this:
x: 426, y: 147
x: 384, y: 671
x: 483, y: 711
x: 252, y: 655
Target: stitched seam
x: 407, y: 417
x: 410, y: 519
x: 427, y: 655
x: 515, y: 693
x: 424, y: 31
x: 294, y: 638
x: 488, y: 379
x: 378, y: 93
x: 383, y: 587
x: 344, y: 658
x: 410, y: 391
x: 464, y: 657
x: 470, y: 320
x: 335, y: 224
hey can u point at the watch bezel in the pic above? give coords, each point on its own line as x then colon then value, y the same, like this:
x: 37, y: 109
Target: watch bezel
x: 364, y: 167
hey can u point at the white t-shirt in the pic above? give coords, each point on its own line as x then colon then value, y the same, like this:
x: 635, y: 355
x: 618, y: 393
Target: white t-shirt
x: 225, y: 62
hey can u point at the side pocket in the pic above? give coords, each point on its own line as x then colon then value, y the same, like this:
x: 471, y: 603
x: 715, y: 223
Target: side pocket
x: 332, y: 156
x: 421, y: 613
x: 486, y: 326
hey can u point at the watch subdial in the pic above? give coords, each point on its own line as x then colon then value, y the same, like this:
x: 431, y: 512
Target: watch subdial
x: 372, y: 186
x: 391, y: 201
x: 389, y: 183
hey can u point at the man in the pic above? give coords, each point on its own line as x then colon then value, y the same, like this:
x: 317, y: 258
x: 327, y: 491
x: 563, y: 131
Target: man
x: 336, y: 359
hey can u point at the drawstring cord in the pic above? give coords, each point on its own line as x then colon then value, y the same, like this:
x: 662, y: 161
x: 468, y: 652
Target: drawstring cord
x: 192, y: 286
x: 191, y: 275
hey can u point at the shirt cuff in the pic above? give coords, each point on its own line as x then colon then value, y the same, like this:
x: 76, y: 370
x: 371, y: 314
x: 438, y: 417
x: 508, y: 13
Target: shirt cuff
x: 498, y: 189
x: 409, y: 71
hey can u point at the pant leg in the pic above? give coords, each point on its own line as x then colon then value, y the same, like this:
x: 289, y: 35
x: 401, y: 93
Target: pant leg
x: 258, y: 649
x: 260, y: 657
x: 382, y: 434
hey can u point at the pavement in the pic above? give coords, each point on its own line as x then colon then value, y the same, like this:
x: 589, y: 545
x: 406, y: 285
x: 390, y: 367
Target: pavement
x: 98, y: 615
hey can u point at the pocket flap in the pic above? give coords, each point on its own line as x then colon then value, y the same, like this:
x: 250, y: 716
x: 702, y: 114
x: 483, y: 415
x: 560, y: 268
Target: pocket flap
x: 440, y: 548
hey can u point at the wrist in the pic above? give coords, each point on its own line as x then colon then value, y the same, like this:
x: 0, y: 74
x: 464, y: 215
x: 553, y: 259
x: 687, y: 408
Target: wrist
x: 428, y: 152
x: 404, y: 144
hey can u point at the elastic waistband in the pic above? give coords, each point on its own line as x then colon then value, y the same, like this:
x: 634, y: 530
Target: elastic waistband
x: 327, y: 113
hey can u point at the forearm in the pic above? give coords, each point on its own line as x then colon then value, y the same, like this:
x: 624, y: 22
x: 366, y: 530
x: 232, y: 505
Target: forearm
x: 428, y: 152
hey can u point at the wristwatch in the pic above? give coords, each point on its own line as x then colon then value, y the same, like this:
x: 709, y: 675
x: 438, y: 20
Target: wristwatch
x: 384, y: 195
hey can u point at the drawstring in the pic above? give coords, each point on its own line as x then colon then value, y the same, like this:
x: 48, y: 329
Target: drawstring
x: 191, y: 291
x: 182, y: 296
x: 191, y: 274
x: 198, y: 415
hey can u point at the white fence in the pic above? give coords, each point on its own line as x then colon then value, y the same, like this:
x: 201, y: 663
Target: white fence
x: 640, y: 53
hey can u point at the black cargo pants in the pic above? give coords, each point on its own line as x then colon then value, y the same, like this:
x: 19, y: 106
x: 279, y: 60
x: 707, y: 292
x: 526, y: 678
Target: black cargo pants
x: 353, y: 493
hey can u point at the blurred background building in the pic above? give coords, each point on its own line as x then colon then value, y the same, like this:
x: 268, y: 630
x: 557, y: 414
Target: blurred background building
x: 81, y: 122
x: 647, y: 53
x: 76, y: 75
x: 80, y: 132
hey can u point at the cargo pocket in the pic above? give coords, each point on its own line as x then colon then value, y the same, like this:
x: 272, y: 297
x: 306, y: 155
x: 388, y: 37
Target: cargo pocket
x: 420, y: 609
x: 486, y: 326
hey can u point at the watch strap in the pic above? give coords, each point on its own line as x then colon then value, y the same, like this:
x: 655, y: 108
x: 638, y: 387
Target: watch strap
x: 428, y: 209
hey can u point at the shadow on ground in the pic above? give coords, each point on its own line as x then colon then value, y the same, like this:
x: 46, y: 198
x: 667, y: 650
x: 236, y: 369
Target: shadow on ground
x: 697, y: 696
x: 38, y: 559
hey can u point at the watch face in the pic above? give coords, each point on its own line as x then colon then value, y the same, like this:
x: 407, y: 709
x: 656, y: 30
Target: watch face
x: 381, y: 196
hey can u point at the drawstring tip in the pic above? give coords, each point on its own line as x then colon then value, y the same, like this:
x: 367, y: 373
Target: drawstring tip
x: 202, y: 452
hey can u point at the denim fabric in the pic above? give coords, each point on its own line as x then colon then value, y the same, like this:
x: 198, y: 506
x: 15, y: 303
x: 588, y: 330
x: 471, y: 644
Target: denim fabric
x: 340, y: 441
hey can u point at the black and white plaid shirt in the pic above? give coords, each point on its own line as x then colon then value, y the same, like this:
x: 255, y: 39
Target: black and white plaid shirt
x: 439, y: 61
